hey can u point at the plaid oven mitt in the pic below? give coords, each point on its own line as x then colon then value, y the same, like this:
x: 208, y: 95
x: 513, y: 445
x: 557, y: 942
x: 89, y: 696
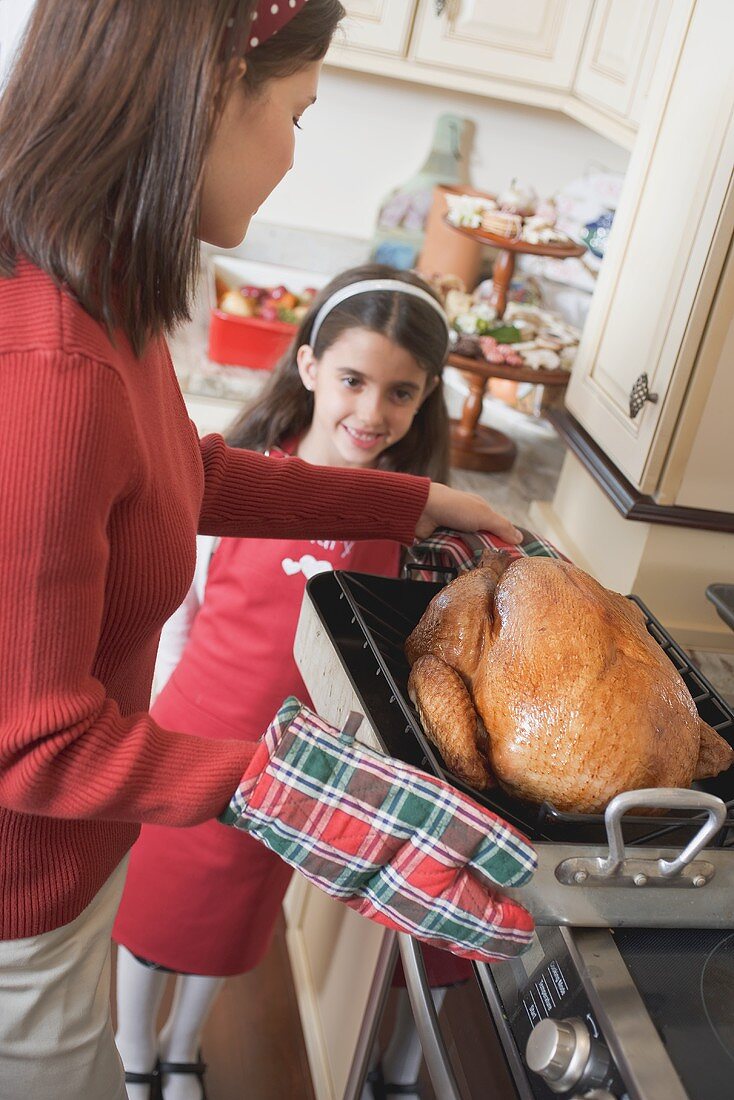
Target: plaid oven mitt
x: 447, y: 553
x: 398, y: 846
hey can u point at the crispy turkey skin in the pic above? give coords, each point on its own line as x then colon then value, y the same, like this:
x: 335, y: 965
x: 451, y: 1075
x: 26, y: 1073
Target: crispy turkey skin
x: 532, y: 672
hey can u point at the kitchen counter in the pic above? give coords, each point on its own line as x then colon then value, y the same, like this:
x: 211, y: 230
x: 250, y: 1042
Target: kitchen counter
x: 198, y: 375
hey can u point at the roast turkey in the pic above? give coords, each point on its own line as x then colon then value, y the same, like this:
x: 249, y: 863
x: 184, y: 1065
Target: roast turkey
x: 531, y: 673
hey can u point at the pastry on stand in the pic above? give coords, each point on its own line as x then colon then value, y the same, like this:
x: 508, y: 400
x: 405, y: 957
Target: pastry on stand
x: 474, y: 446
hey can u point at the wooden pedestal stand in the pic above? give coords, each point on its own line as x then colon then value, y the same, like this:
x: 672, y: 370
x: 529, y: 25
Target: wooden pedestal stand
x: 474, y: 447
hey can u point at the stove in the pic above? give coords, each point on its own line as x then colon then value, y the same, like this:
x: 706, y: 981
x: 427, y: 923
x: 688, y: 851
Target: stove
x: 627, y: 992
x: 644, y: 1013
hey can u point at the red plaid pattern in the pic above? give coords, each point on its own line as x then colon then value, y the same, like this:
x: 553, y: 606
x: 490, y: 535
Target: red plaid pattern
x: 446, y: 553
x: 400, y: 847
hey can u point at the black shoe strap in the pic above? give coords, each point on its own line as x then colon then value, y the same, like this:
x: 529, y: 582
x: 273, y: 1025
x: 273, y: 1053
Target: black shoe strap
x: 197, y: 1069
x: 382, y: 1089
x: 151, y: 1078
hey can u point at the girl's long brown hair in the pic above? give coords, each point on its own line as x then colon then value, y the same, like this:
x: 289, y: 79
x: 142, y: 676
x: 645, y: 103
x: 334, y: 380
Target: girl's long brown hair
x: 105, y: 124
x: 284, y: 409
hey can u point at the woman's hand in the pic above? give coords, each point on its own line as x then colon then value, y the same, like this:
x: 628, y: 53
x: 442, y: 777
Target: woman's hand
x: 459, y: 511
x: 399, y: 846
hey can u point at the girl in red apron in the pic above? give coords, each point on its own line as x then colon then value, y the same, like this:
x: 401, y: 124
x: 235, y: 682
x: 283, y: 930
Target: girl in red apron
x: 360, y: 387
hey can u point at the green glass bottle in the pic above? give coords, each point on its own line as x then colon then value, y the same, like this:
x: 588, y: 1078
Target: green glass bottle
x: 402, y: 219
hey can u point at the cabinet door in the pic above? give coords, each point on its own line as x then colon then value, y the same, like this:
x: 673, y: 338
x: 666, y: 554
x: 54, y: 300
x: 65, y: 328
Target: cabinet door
x: 619, y: 53
x: 529, y: 41
x: 666, y: 250
x: 338, y: 961
x: 377, y: 26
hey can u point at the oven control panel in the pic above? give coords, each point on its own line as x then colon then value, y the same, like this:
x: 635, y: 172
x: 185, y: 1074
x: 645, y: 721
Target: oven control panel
x: 555, y: 1033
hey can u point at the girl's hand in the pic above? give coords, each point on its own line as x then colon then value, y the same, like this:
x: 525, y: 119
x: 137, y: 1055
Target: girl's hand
x: 459, y: 511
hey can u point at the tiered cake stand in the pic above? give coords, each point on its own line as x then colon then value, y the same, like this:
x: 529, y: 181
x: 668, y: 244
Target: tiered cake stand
x: 474, y: 446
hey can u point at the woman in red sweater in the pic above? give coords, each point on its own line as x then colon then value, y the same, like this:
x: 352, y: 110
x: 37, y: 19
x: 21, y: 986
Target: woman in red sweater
x: 359, y: 387
x: 128, y: 131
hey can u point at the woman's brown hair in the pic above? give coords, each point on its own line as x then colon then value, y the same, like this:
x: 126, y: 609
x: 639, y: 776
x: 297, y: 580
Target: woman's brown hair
x: 105, y: 123
x: 284, y: 409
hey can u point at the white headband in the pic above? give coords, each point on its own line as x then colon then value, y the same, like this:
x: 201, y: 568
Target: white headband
x: 365, y: 287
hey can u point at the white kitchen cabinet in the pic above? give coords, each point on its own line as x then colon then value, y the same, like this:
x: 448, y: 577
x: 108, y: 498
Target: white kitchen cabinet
x: 378, y: 26
x: 529, y: 41
x: 698, y: 473
x: 338, y: 961
x: 670, y: 237
x: 621, y: 45
x: 590, y: 59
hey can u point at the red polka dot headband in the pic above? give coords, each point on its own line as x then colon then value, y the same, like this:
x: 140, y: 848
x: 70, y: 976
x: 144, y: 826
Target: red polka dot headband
x: 269, y: 17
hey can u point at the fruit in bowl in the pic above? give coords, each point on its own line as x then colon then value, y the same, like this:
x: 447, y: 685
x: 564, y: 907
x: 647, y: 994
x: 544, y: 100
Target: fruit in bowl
x: 265, y: 303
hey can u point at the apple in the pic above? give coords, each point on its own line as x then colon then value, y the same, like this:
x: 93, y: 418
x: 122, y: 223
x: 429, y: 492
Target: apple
x: 256, y: 292
x: 278, y: 293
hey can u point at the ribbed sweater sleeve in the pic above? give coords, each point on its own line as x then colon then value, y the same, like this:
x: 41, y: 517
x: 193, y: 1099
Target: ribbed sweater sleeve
x: 67, y: 455
x: 253, y: 496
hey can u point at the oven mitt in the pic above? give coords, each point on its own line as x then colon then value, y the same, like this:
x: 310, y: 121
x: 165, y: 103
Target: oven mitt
x: 399, y: 846
x: 453, y: 552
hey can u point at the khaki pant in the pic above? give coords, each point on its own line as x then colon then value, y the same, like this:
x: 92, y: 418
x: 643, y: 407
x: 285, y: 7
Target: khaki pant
x: 56, y: 1040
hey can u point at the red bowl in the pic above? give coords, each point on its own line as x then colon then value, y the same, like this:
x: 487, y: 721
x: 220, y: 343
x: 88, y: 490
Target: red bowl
x: 248, y: 341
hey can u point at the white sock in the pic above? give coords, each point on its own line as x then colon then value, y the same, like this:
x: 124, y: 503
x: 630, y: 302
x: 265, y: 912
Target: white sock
x: 139, y: 993
x: 402, y: 1059
x: 180, y: 1039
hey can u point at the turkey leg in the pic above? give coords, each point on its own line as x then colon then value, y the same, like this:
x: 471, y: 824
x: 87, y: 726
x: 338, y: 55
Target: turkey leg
x: 449, y: 719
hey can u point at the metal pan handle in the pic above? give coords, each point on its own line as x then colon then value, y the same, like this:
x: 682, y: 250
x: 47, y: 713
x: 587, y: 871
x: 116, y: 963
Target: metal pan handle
x: 664, y: 798
x: 426, y: 1020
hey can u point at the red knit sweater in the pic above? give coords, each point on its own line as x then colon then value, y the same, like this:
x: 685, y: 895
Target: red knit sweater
x: 103, y: 484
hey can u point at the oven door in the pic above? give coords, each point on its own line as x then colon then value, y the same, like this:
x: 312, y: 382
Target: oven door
x: 462, y: 1051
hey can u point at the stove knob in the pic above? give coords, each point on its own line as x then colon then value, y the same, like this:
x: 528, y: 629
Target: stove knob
x: 564, y: 1054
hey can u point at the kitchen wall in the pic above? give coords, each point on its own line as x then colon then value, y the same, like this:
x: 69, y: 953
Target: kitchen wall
x: 13, y: 16
x: 367, y: 134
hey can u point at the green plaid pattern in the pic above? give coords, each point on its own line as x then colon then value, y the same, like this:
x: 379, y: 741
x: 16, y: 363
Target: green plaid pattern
x: 451, y: 552
x: 398, y: 846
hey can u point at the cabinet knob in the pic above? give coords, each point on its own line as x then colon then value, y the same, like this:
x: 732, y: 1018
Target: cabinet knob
x: 441, y: 6
x: 639, y: 394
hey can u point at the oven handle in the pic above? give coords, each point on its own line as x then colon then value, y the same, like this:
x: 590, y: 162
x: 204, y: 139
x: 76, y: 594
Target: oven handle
x: 426, y: 1020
